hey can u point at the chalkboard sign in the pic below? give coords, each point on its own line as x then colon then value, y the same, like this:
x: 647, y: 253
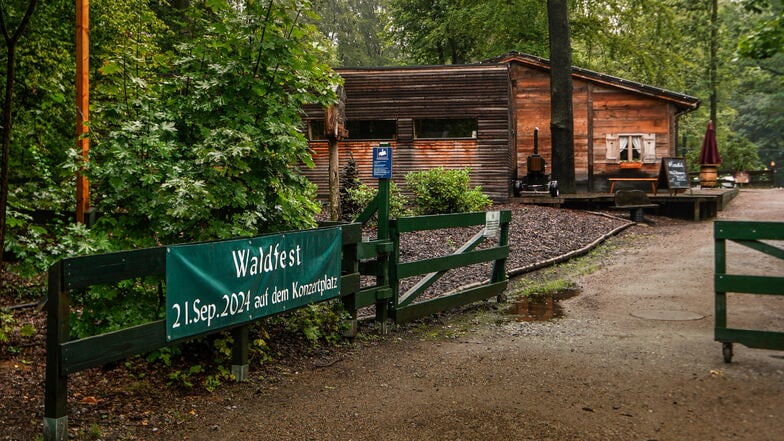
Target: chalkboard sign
x: 673, y: 175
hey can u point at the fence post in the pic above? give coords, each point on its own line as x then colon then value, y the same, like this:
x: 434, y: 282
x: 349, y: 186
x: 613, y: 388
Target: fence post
x: 394, y: 260
x: 239, y: 353
x: 57, y: 332
x: 499, y: 266
x: 350, y: 265
x: 382, y: 275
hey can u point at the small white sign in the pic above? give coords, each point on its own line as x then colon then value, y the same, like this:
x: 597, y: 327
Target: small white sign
x: 492, y: 223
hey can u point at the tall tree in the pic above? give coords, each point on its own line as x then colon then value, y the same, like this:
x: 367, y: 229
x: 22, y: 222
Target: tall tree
x: 561, y: 115
x: 713, y: 61
x: 434, y: 32
x: 356, y: 29
x: 766, y: 38
x: 11, y: 36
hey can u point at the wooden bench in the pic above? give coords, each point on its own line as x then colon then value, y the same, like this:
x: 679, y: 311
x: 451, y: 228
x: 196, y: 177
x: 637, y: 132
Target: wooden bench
x: 613, y: 181
x: 633, y: 200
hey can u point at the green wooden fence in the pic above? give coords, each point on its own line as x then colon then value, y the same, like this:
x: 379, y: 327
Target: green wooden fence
x: 377, y: 257
x: 66, y: 355
x: 752, y: 235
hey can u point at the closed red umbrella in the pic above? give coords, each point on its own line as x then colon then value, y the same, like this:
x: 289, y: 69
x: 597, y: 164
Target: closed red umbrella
x: 709, y: 158
x: 710, y: 151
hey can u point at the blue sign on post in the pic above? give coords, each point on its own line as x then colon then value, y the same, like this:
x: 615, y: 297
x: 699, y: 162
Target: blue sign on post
x: 382, y: 161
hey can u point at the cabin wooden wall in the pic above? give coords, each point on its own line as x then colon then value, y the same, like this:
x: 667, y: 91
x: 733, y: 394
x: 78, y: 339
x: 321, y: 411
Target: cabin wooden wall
x: 598, y: 110
x: 508, y: 100
x: 405, y: 94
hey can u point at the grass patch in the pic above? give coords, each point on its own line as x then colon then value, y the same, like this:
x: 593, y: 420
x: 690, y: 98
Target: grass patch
x: 560, y: 277
x: 538, y: 289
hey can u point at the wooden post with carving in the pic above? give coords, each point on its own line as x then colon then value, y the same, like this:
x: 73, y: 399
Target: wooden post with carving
x: 335, y: 130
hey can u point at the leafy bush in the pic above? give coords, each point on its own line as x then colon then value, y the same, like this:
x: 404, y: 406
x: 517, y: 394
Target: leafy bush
x: 6, y: 325
x: 441, y: 191
x: 317, y: 322
x: 105, y: 308
x: 361, y: 196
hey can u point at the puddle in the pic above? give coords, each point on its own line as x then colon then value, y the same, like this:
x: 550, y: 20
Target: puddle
x: 541, y: 308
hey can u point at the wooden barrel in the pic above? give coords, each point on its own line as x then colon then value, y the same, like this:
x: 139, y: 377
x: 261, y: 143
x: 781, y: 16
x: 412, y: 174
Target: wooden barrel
x: 708, y: 175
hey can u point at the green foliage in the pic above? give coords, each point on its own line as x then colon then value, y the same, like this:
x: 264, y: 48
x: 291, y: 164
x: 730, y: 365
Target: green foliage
x: 361, y: 196
x: 6, y: 325
x: 455, y: 31
x: 440, y: 191
x: 214, y: 152
x: 765, y: 38
x: 185, y: 378
x: 164, y: 355
x: 319, y: 322
x: 38, y: 247
x: 433, y: 32
x: 105, y: 308
x: 356, y: 31
x: 542, y: 288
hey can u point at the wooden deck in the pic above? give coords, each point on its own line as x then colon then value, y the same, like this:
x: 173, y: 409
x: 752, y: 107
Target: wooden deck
x: 695, y: 204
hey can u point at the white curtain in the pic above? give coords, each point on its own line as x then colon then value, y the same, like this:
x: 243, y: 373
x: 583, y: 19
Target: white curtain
x: 637, y: 145
x: 623, y: 142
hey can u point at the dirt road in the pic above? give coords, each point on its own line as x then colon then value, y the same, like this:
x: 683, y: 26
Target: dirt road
x: 633, y: 359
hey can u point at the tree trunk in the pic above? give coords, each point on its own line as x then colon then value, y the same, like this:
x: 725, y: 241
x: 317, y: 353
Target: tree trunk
x: 10, y: 44
x: 6, y: 146
x: 561, y: 122
x: 714, y: 62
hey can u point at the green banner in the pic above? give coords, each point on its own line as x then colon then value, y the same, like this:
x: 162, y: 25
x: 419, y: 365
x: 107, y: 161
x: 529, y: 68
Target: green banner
x: 214, y: 285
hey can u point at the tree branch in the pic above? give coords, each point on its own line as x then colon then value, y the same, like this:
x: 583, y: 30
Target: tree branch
x: 261, y: 40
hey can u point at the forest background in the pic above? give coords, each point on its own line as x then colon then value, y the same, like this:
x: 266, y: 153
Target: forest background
x: 195, y: 123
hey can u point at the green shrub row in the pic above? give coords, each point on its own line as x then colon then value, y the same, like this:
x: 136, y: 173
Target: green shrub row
x: 434, y: 191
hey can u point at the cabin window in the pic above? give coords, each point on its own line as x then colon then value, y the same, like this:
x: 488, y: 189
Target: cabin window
x: 371, y: 129
x: 445, y: 128
x: 635, y: 147
x: 316, y: 130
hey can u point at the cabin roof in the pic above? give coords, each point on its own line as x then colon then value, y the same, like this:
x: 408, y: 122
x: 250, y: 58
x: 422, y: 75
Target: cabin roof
x: 425, y: 69
x: 684, y: 102
x: 498, y: 65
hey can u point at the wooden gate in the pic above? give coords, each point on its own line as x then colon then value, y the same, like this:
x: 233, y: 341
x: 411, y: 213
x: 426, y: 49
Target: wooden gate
x: 381, y: 258
x: 405, y: 308
x: 752, y: 235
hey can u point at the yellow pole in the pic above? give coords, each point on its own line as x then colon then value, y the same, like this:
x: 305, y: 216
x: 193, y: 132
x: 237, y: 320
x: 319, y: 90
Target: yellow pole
x: 82, y: 103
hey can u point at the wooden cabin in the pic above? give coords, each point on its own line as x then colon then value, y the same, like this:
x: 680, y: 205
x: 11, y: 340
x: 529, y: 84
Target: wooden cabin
x: 436, y: 116
x: 483, y: 116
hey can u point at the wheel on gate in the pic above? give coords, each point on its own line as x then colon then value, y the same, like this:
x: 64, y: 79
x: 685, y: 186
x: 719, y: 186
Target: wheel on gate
x: 726, y: 350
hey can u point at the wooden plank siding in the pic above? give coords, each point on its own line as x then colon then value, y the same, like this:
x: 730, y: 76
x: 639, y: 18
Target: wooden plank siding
x: 508, y: 97
x: 480, y: 92
x: 602, y: 106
